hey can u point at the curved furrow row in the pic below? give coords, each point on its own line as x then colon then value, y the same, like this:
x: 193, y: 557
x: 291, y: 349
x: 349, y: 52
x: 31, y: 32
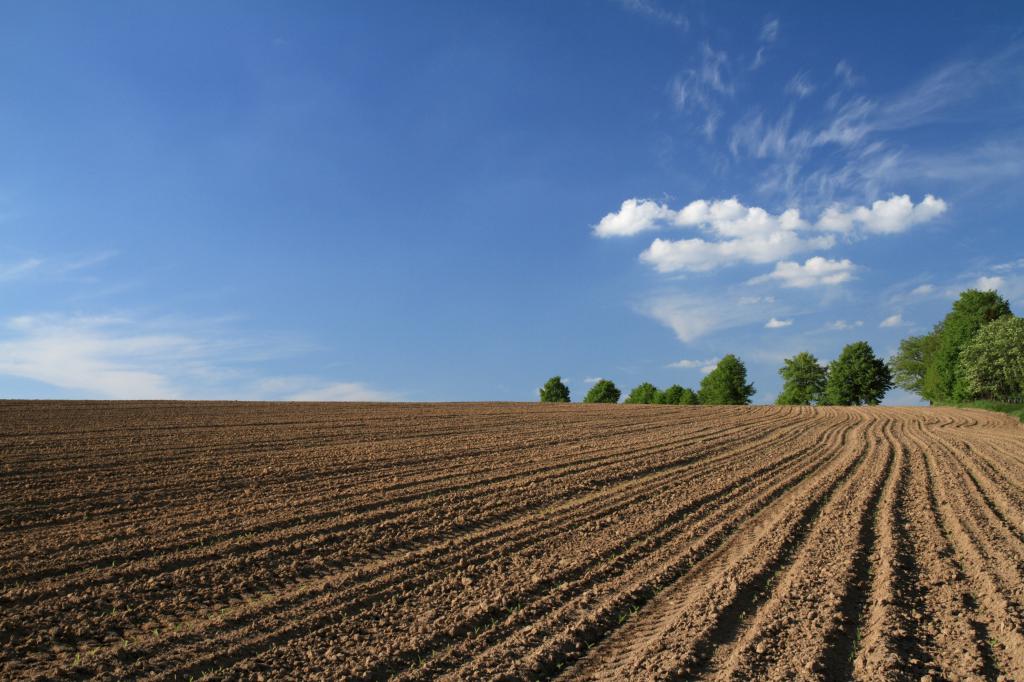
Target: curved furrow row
x: 991, y: 618
x: 793, y: 633
x: 169, y: 540
x: 327, y: 504
x: 505, y: 543
x: 624, y: 586
x: 699, y: 609
x: 263, y: 552
x: 526, y: 526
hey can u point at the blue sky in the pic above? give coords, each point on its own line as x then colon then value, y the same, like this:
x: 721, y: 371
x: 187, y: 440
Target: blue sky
x: 456, y: 200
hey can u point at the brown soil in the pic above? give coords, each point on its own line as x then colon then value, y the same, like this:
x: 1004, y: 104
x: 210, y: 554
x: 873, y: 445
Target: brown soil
x: 500, y: 541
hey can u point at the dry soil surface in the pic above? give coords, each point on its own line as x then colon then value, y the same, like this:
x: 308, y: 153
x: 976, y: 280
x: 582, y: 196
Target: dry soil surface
x: 508, y: 541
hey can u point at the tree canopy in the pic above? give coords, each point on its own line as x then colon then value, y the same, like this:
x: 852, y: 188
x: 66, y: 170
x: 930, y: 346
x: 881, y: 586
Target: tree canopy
x: 726, y: 384
x: 677, y: 395
x: 991, y: 364
x: 970, y: 312
x: 910, y: 363
x: 857, y: 377
x: 554, y: 391
x: 604, y: 391
x: 804, y: 380
x: 646, y: 394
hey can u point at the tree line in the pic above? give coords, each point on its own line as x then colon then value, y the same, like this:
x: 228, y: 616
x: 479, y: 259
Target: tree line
x: 724, y: 385
x: 856, y: 377
x: 975, y: 353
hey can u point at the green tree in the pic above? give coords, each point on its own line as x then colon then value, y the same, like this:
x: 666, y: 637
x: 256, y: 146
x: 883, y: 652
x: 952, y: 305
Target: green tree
x: 689, y: 397
x: 677, y: 395
x: 910, y: 363
x: 554, y: 391
x: 726, y: 384
x: 992, y: 363
x: 671, y: 395
x: 973, y: 310
x: 603, y: 391
x: 804, y: 380
x: 857, y: 377
x: 644, y: 394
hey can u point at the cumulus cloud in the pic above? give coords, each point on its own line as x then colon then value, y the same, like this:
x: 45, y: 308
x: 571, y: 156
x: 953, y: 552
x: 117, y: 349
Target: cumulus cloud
x: 989, y: 283
x: 892, y: 321
x: 699, y: 255
x: 591, y: 380
x: 816, y: 271
x: 735, y: 233
x: 777, y: 324
x: 885, y: 216
x: 635, y: 215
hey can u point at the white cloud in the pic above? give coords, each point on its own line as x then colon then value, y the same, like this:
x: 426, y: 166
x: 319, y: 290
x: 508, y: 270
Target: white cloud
x: 989, y: 283
x: 99, y: 356
x: 16, y: 270
x: 342, y: 392
x: 758, y: 59
x: 750, y: 234
x: 885, y: 216
x: 777, y: 324
x: 699, y: 255
x: 770, y: 31
x: 701, y: 89
x: 591, y: 380
x: 124, y: 357
x: 845, y: 72
x: 800, y: 85
x: 816, y: 271
x: 651, y: 9
x: 635, y: 215
x: 754, y: 300
x: 692, y: 317
x: 923, y: 290
x: 705, y: 366
x: 843, y: 325
x: 892, y: 321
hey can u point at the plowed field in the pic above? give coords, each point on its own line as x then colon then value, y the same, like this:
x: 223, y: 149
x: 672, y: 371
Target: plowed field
x: 484, y: 541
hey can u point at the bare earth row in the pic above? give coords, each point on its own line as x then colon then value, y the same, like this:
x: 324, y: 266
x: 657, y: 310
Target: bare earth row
x: 503, y: 541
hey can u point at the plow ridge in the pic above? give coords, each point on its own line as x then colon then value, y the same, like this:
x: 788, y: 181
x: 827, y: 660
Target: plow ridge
x: 508, y: 541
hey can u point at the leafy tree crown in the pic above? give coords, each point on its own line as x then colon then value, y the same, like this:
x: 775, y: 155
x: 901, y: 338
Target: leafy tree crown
x: 554, y: 391
x: 604, y: 391
x: 646, y: 394
x: 726, y: 384
x: 804, y: 380
x: 857, y: 377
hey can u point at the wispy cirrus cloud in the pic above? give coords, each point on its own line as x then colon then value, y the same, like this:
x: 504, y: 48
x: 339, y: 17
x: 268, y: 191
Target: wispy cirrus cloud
x: 653, y: 10
x: 705, y: 366
x: 691, y: 316
x: 126, y: 357
x: 20, y: 269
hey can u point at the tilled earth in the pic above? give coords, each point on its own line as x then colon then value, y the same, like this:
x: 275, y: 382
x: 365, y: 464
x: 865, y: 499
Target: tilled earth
x: 504, y: 541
